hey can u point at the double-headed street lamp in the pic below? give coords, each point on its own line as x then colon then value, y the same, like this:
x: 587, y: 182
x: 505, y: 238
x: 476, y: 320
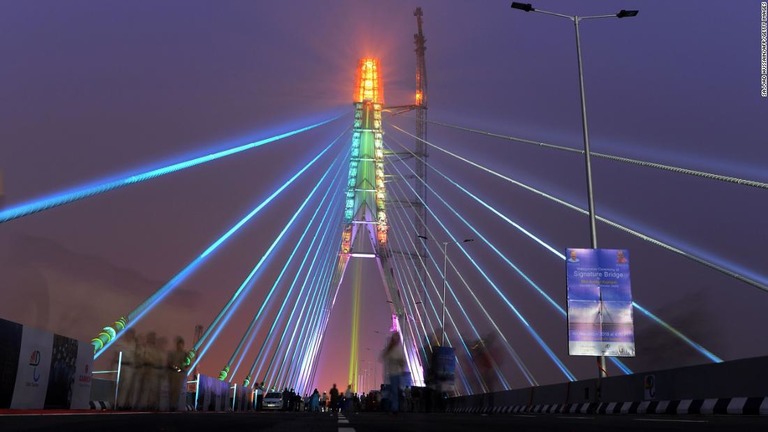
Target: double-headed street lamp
x: 527, y: 7
x: 445, y: 271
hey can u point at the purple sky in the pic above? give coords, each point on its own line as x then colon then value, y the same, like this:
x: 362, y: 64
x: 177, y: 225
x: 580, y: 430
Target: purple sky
x: 92, y: 89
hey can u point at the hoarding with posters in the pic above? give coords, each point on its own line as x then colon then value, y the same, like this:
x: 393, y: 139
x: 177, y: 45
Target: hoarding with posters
x: 81, y: 388
x: 41, y: 370
x: 599, y: 303
x: 212, y: 394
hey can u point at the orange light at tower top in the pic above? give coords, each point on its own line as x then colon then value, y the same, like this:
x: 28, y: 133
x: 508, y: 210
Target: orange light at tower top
x: 368, y: 83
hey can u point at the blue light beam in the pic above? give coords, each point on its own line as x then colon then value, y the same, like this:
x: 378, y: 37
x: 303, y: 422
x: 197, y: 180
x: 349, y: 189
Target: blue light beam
x: 703, y: 351
x: 218, y: 323
x: 137, y: 314
x: 85, y: 191
x: 256, y: 323
x: 720, y: 267
x: 529, y: 377
x: 530, y: 235
x: 493, y: 285
x: 269, y: 342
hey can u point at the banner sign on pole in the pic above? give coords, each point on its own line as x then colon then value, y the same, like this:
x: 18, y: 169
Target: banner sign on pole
x: 599, y: 303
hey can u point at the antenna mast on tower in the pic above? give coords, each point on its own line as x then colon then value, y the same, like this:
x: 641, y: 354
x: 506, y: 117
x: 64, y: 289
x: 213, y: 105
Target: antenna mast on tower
x: 420, y: 218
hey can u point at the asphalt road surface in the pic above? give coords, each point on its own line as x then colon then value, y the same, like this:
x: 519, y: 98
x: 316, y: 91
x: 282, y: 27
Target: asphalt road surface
x: 367, y: 422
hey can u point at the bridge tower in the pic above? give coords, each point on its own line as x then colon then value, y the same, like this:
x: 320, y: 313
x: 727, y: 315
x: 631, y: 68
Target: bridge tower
x: 365, y: 209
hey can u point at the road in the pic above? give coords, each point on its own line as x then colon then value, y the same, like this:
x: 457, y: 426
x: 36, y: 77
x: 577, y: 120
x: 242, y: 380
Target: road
x: 368, y: 422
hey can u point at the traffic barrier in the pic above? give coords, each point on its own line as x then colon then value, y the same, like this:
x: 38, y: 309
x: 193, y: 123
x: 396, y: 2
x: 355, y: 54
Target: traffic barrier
x: 100, y: 405
x: 735, y: 405
x: 733, y: 387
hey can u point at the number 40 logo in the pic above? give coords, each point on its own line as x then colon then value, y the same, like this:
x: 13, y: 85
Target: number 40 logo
x: 649, y: 386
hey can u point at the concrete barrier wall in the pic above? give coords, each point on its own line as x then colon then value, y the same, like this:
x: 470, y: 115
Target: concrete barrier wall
x: 736, y: 378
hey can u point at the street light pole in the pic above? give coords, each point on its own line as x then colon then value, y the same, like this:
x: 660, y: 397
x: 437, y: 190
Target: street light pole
x: 527, y: 7
x: 587, y: 156
x: 601, y: 366
x: 445, y: 275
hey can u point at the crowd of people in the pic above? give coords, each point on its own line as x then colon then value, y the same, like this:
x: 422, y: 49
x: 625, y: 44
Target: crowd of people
x: 394, y: 395
x: 332, y: 401
x: 152, y: 377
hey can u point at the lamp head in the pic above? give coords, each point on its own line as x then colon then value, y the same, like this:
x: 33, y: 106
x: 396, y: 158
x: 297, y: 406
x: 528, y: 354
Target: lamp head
x: 626, y: 13
x: 523, y: 6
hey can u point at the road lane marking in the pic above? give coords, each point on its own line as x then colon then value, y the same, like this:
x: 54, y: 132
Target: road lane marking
x: 671, y: 420
x: 57, y: 414
x: 343, y: 420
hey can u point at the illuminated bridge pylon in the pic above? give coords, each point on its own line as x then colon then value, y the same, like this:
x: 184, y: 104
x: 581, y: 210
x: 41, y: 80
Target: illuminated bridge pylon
x: 365, y: 209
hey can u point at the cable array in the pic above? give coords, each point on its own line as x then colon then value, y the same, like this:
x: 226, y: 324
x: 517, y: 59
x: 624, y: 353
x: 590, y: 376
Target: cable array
x: 492, y: 284
x: 110, y: 334
x: 642, y: 163
x: 708, y: 354
x: 693, y: 257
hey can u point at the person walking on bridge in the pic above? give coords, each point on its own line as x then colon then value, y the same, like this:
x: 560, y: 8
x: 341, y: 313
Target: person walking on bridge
x: 394, y: 365
x: 314, y: 401
x: 334, y: 398
x: 177, y: 374
x: 128, y: 385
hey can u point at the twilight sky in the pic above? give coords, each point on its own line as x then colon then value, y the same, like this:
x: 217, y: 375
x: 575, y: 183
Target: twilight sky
x: 93, y: 89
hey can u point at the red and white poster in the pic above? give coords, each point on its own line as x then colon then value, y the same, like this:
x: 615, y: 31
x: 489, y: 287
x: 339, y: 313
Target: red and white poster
x: 81, y: 389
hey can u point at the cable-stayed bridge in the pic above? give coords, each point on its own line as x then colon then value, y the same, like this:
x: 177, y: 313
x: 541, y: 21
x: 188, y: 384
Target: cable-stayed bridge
x: 507, y: 285
x: 300, y: 305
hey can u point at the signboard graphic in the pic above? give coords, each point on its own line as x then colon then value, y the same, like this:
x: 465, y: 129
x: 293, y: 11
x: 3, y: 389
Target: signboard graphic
x: 61, y: 375
x: 81, y: 390
x: 599, y: 303
x: 33, y: 369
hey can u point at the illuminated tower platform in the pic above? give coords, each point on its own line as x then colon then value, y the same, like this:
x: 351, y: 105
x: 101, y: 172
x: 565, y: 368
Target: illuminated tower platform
x: 365, y: 210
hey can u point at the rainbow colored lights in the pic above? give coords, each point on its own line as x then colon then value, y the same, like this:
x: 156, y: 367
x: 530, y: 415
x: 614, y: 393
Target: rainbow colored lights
x: 365, y: 198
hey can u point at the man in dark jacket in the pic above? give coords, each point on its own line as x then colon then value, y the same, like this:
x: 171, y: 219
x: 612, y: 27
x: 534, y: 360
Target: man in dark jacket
x: 334, y: 398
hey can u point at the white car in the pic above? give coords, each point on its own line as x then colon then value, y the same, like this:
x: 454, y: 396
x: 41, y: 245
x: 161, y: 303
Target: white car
x: 272, y: 401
